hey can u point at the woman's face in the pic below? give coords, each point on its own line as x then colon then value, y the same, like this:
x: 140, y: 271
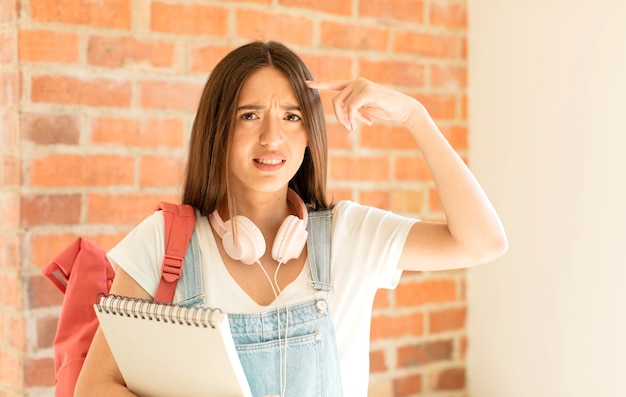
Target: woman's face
x: 269, y: 136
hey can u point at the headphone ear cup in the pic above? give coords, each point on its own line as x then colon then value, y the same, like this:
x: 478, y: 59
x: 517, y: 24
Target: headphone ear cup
x: 250, y: 244
x: 289, y: 240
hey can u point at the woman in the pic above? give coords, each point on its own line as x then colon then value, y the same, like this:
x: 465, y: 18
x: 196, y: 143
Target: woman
x: 258, y: 153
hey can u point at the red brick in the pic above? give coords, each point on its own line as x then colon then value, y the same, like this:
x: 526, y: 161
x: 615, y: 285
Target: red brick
x: 9, y: 88
x: 408, y: 385
x: 463, y: 47
x: 117, y: 52
x: 463, y: 288
x: 376, y: 198
x: 10, y: 292
x: 439, y: 106
x: 7, y: 48
x: 447, y: 320
x: 270, y: 25
x: 42, y: 293
x: 11, y: 371
x: 53, y: 209
x: 395, y: 326
x: 402, y: 10
x: 8, y: 10
x: 387, y: 137
x: 359, y: 168
x: 8, y: 132
x: 411, y: 169
x: 463, y: 105
x: 407, y: 201
x: 48, y: 46
x: 451, y: 77
x: 353, y: 36
x: 170, y: 95
x: 103, y: 13
x: 9, y: 207
x: 449, y: 379
x: 338, y: 136
x: 377, y: 361
x: 204, y: 59
x: 441, y: 45
x: 434, y: 202
x: 393, y: 72
x: 327, y: 97
x: 381, y: 300
x: 11, y: 174
x: 148, y: 132
x: 47, y: 129
x: 328, y: 67
x: 189, y: 19
x: 90, y: 92
x: 123, y: 209
x: 39, y: 372
x: 59, y: 169
x: 448, y: 15
x: 10, y: 258
x: 161, y: 171
x: 416, y: 293
x: 463, y: 347
x: 328, y: 6
x: 457, y: 136
x: 45, y: 247
x: 425, y: 353
x: 336, y: 194
x: 16, y: 329
x: 46, y: 330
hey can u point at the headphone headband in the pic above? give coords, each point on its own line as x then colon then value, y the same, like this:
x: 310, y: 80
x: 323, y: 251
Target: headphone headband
x: 250, y: 244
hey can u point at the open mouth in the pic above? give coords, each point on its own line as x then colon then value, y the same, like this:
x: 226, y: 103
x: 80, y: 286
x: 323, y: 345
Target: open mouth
x: 269, y: 161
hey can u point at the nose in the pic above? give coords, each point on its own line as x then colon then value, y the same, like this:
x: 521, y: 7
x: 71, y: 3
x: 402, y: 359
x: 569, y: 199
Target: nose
x: 271, y: 132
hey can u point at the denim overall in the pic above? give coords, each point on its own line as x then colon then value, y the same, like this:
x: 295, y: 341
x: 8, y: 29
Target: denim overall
x: 310, y: 350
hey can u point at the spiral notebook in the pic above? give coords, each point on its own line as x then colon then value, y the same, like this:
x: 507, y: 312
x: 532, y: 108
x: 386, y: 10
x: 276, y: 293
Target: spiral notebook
x: 169, y: 350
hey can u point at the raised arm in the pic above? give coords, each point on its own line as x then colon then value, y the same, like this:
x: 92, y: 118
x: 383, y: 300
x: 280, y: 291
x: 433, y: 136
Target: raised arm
x: 472, y: 233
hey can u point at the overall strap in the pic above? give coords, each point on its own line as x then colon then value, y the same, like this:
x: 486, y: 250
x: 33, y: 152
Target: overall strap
x: 180, y: 221
x: 318, y: 243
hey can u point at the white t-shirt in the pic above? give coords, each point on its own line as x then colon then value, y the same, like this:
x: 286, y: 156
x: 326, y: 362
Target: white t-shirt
x: 366, y: 246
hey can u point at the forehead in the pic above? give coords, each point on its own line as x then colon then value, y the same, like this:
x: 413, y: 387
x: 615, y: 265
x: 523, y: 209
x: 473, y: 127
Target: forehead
x: 266, y: 82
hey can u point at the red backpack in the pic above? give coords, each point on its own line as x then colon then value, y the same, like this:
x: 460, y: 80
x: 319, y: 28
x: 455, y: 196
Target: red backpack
x: 82, y: 271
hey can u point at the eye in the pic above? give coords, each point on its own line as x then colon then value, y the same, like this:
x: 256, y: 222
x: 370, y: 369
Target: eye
x: 293, y: 117
x: 248, y: 116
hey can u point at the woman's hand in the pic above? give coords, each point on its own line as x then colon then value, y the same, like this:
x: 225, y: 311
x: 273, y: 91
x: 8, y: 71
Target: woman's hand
x: 472, y: 233
x: 364, y: 100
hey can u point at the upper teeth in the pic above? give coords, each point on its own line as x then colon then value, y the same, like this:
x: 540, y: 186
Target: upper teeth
x: 269, y: 161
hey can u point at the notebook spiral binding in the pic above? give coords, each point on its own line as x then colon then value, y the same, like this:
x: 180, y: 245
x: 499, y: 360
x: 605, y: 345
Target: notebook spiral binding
x: 154, y: 311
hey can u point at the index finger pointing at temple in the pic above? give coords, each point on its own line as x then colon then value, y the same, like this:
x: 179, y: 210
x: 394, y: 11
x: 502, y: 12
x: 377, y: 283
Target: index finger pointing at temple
x: 334, y: 85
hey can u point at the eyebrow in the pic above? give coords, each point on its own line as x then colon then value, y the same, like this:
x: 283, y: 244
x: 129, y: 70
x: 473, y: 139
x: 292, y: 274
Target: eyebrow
x: 260, y: 107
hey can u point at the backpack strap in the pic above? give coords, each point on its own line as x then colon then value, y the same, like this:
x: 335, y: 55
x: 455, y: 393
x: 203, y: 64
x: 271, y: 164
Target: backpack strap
x: 180, y: 221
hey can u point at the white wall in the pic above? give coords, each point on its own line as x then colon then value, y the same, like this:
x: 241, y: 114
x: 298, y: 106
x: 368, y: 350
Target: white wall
x: 548, y: 143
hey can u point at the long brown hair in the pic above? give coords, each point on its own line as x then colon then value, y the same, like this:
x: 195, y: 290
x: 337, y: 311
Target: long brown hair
x: 206, y: 178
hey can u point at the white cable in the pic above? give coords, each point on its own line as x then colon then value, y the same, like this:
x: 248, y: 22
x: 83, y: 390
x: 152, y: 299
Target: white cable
x: 281, y: 297
x: 282, y: 361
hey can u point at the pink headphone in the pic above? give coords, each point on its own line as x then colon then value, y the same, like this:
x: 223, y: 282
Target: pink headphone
x: 250, y: 244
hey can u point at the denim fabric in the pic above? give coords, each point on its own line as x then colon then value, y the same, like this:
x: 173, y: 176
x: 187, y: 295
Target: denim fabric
x: 310, y: 350
x: 309, y: 353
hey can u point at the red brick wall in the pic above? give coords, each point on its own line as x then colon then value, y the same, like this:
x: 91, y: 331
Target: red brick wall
x: 96, y: 102
x: 13, y: 342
